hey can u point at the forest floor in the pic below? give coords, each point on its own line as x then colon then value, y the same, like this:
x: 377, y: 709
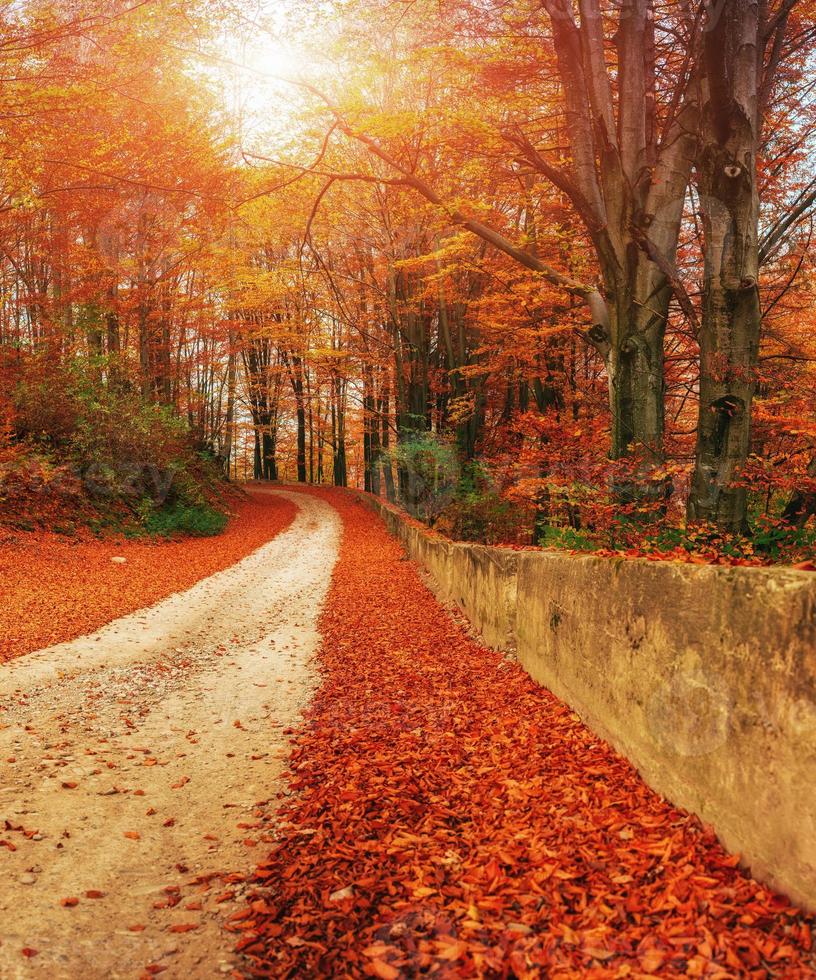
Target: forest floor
x: 55, y: 587
x: 451, y: 818
x: 169, y: 809
x: 133, y: 760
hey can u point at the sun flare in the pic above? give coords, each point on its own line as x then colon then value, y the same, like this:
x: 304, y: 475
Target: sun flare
x: 274, y: 58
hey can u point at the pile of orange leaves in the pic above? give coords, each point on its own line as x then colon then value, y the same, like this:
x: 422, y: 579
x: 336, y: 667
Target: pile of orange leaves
x: 449, y: 817
x: 56, y: 588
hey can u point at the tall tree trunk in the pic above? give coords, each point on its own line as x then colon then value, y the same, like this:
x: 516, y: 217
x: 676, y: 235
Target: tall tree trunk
x: 311, y: 433
x: 627, y: 183
x: 369, y: 463
x: 294, y: 365
x: 144, y: 344
x: 339, y: 427
x: 108, y: 244
x: 112, y: 327
x: 731, y: 314
x: 270, y: 463
x: 161, y: 357
x: 412, y: 335
x: 635, y: 371
x: 375, y: 458
x: 258, y: 458
x: 321, y: 440
x: 385, y: 443
x: 374, y: 439
x: 229, y: 418
x: 301, y: 438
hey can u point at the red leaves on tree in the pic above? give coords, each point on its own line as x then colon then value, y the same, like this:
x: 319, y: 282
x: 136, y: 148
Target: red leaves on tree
x: 453, y: 818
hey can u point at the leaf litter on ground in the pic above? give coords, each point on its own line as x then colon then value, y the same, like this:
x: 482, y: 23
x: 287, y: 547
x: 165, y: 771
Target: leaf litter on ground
x: 449, y: 817
x: 56, y: 588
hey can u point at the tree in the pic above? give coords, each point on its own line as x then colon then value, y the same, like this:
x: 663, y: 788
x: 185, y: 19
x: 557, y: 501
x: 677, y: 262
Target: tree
x: 743, y: 48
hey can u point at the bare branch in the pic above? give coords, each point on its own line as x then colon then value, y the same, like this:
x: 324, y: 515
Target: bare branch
x: 776, y: 233
x: 590, y: 294
x: 677, y: 287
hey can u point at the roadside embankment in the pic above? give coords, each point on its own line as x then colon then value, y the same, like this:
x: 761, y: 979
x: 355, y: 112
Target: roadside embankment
x: 704, y: 677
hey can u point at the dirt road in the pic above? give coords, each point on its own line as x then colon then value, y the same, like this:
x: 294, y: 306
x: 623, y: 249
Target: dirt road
x: 131, y: 762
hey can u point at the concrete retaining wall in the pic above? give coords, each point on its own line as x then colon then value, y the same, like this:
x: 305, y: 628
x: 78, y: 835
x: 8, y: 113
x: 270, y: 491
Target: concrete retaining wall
x: 704, y: 677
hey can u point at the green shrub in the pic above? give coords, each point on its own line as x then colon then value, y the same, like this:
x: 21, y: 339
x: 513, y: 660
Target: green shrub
x: 478, y: 511
x: 566, y: 537
x: 782, y: 542
x: 428, y: 470
x: 195, y: 520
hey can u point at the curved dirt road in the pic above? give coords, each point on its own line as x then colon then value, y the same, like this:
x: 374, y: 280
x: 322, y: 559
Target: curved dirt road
x: 131, y: 760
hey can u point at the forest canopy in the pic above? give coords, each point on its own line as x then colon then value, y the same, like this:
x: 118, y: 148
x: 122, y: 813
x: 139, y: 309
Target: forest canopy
x: 540, y: 272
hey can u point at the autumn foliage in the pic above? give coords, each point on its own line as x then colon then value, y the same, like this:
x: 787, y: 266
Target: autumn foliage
x: 539, y: 273
x: 449, y: 817
x: 419, y: 264
x: 56, y: 588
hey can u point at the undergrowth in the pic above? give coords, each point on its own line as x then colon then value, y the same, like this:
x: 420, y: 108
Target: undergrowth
x: 79, y: 447
x: 464, y: 503
x: 194, y: 520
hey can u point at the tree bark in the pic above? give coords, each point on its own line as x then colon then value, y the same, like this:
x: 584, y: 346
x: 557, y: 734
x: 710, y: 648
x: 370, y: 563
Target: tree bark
x: 731, y: 314
x: 385, y: 442
x: 229, y: 419
x: 627, y: 185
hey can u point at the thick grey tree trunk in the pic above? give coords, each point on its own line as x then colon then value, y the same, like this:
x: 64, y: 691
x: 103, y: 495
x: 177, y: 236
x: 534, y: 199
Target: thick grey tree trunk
x: 731, y: 315
x: 636, y: 382
x: 627, y: 182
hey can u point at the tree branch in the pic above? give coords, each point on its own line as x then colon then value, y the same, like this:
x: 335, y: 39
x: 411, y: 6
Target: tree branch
x: 655, y: 255
x: 590, y: 294
x: 803, y: 203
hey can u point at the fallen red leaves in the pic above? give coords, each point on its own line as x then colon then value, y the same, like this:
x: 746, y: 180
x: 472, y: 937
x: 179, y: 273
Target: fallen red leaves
x: 55, y: 589
x: 451, y: 818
